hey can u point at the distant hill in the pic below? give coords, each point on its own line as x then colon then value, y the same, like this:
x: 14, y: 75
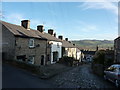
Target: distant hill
x: 92, y: 44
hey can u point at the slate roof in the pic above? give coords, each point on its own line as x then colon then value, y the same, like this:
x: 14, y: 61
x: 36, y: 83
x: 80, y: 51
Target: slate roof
x: 21, y: 31
x: 67, y: 44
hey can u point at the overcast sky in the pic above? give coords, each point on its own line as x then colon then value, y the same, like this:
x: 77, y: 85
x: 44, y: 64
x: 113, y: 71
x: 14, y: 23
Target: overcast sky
x: 75, y: 20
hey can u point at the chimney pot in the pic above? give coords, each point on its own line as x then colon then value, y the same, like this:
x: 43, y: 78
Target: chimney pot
x: 26, y: 24
x: 54, y: 34
x: 40, y: 28
x: 60, y: 37
x: 74, y: 44
x: 66, y: 39
x: 50, y: 31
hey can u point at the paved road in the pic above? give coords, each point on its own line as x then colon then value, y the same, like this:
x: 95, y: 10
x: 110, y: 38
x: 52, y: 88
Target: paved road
x: 18, y: 78
x: 81, y: 77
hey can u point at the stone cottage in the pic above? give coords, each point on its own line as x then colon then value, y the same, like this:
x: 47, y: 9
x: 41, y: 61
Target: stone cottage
x: 68, y: 49
x: 22, y: 43
x: 117, y: 50
x: 54, y: 45
x: 32, y: 46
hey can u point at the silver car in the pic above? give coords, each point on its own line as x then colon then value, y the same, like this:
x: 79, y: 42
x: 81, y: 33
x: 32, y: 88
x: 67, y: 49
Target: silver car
x: 113, y: 74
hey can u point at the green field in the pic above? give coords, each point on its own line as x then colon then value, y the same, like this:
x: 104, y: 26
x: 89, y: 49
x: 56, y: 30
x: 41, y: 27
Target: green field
x: 92, y: 44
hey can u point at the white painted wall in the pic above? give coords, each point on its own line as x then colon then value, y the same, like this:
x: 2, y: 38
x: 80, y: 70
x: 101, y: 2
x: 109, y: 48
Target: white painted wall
x: 79, y: 56
x: 54, y: 48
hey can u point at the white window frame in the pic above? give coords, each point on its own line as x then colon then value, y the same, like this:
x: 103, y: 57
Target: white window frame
x: 31, y: 41
x: 31, y: 60
x: 58, y: 46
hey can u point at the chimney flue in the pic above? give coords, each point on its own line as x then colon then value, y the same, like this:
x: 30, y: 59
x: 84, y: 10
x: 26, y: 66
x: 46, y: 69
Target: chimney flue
x: 66, y: 39
x: 60, y: 37
x: 26, y: 24
x: 50, y: 31
x: 40, y: 28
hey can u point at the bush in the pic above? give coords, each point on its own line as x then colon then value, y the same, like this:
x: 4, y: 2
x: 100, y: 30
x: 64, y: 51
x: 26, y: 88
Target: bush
x: 102, y: 60
x: 99, y: 57
x: 67, y: 60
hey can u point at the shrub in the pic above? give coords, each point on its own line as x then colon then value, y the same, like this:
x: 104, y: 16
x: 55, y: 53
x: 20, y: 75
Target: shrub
x: 67, y: 60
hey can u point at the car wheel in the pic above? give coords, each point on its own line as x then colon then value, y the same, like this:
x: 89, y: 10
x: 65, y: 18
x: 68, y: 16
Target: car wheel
x: 105, y: 77
x: 116, y: 83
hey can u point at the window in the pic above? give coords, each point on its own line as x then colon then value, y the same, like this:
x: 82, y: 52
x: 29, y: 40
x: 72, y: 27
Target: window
x: 58, y: 45
x: 31, y: 60
x: 21, y: 57
x: 31, y: 43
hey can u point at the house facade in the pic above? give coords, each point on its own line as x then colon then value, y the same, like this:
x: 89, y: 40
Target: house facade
x: 117, y: 50
x: 54, y: 45
x: 68, y: 49
x: 79, y: 55
x: 32, y: 46
x: 21, y: 43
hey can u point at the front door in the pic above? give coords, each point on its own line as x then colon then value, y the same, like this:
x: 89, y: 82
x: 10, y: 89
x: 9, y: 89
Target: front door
x: 55, y: 56
x: 42, y: 60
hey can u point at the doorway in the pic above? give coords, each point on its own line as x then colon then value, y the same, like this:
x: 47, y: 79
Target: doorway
x: 55, y: 56
x: 42, y: 60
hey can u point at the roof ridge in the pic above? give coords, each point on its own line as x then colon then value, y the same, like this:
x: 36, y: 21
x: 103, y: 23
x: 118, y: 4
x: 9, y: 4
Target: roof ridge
x: 32, y: 32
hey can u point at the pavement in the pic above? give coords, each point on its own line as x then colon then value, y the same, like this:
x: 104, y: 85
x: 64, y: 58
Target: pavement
x: 13, y: 77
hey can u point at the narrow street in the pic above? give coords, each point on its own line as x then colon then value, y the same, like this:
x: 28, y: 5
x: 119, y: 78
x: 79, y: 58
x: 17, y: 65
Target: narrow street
x: 81, y: 77
x: 78, y: 77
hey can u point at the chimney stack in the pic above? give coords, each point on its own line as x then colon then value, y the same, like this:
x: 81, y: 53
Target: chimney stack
x: 54, y: 34
x: 66, y: 39
x: 60, y: 37
x: 73, y: 44
x: 26, y: 24
x: 50, y: 31
x: 40, y: 28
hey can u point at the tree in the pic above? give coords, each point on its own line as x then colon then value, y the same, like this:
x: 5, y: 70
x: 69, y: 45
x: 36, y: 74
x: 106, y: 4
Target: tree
x: 99, y: 57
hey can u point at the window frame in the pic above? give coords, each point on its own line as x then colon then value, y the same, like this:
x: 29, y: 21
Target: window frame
x: 33, y: 43
x: 31, y: 61
x: 58, y: 46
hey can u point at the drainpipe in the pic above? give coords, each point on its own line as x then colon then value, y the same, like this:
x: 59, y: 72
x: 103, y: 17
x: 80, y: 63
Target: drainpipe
x: 46, y: 53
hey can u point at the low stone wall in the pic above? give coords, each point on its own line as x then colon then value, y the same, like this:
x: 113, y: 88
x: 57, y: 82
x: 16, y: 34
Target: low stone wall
x: 98, y: 69
x: 23, y: 65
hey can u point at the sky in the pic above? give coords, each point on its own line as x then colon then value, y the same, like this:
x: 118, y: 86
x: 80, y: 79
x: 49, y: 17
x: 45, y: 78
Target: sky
x: 73, y: 20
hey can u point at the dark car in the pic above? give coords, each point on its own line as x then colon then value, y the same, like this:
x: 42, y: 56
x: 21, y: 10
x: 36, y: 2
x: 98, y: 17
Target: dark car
x: 113, y: 74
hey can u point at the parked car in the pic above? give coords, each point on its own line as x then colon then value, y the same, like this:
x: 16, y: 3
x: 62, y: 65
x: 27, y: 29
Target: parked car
x: 113, y: 74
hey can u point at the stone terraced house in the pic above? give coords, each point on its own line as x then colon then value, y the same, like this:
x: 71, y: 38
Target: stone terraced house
x: 117, y: 50
x: 32, y: 46
x: 69, y: 49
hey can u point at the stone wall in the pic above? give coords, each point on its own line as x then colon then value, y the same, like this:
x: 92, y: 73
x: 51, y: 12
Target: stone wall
x: 98, y: 69
x: 22, y: 48
x: 117, y: 50
x: 8, y: 44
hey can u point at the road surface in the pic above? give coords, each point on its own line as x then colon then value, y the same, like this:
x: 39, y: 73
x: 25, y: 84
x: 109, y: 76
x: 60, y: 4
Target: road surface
x: 78, y: 77
x: 81, y: 77
x: 13, y: 77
